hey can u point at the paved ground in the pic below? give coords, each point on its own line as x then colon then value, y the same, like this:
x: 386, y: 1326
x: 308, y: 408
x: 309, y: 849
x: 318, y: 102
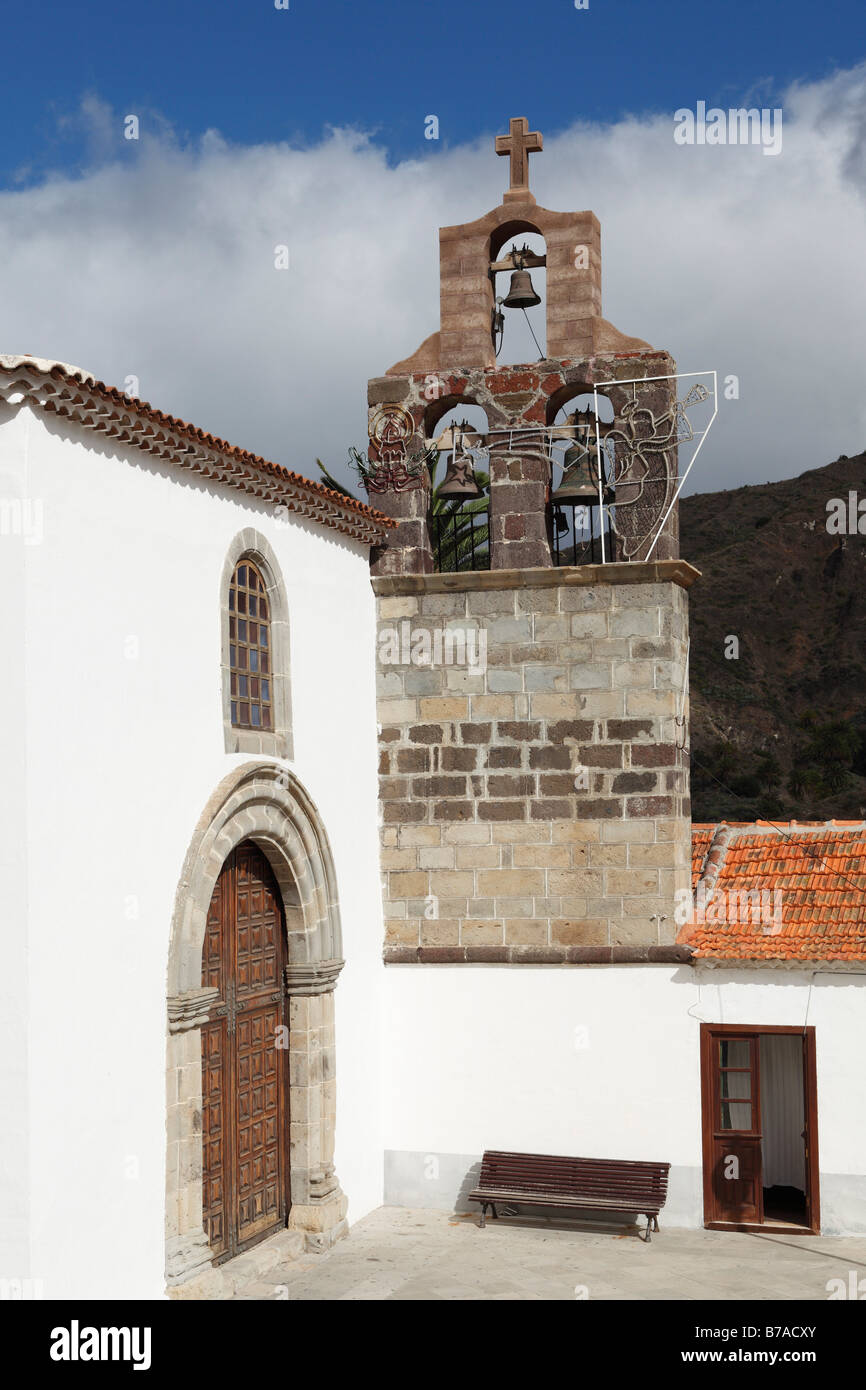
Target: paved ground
x: 396, y: 1253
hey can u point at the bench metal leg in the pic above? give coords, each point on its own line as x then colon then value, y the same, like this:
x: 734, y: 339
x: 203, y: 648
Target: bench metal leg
x: 495, y: 1212
x: 483, y: 1211
x: 655, y: 1223
x: 649, y: 1230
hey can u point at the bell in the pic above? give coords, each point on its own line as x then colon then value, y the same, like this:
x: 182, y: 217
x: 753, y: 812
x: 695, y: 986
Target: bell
x: 521, y: 295
x: 459, y: 480
x: 579, y: 479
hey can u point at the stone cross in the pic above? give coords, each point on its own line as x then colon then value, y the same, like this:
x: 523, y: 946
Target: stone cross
x: 520, y: 143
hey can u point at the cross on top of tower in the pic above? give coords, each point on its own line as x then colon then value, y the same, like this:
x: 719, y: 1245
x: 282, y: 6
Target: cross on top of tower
x: 520, y: 143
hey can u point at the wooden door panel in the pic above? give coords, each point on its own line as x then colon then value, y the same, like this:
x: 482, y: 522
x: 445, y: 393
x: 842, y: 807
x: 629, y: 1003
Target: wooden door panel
x: 244, y: 1072
x: 732, y: 1126
x: 737, y: 1179
x: 215, y: 1137
x: 259, y: 1119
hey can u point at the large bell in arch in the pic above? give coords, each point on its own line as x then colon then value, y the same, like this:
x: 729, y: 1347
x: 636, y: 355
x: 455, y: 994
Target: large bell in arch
x: 579, y: 482
x: 459, y: 480
x: 579, y: 479
x: 522, y: 294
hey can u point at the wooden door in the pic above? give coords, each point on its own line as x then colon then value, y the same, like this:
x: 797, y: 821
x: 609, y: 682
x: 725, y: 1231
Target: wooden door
x: 732, y: 1128
x: 244, y: 1065
x: 731, y: 1103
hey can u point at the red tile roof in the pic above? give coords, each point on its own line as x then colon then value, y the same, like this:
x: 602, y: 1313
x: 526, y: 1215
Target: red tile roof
x: 76, y: 395
x: 813, y: 881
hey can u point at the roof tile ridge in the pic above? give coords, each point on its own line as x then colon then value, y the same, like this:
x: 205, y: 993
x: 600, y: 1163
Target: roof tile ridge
x: 714, y: 859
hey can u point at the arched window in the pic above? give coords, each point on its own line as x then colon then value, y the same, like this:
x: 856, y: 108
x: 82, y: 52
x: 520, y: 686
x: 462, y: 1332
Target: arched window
x: 250, y: 655
x: 255, y: 650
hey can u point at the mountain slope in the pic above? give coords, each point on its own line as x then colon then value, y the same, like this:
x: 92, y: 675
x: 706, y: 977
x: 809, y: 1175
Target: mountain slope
x: 783, y: 724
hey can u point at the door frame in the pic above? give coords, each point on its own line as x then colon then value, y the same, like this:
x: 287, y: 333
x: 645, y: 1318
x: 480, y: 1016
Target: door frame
x: 710, y: 1031
x: 267, y: 804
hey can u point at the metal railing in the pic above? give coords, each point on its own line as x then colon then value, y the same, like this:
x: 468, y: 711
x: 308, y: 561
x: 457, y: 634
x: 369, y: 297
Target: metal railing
x: 460, y: 536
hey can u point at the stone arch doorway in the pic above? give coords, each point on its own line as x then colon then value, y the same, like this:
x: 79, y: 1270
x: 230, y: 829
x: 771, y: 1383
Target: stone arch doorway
x: 266, y: 807
x: 244, y: 1049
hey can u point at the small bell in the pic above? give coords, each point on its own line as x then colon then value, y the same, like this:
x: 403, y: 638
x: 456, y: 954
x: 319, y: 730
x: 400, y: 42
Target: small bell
x: 522, y: 294
x: 459, y: 480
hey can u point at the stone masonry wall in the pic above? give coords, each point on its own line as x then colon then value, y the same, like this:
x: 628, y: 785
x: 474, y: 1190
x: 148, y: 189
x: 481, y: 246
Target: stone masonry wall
x: 536, y: 810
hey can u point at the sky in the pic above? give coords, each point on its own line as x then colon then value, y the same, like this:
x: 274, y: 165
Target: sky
x: 154, y: 258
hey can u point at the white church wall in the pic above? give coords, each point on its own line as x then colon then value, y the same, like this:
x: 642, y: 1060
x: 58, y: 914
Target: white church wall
x: 601, y: 1061
x: 14, y: 1088
x: 123, y: 740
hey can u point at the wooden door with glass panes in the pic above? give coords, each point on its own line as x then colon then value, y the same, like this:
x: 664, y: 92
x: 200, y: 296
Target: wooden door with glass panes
x: 244, y: 1060
x: 733, y: 1188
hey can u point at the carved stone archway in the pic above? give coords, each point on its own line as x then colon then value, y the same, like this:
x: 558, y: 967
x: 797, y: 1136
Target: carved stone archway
x: 266, y: 804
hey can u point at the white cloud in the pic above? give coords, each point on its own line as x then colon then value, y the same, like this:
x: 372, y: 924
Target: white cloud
x: 158, y: 262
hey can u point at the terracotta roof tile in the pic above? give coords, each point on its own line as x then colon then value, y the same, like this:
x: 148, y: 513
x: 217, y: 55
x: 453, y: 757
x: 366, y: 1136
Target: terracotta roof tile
x: 813, y: 881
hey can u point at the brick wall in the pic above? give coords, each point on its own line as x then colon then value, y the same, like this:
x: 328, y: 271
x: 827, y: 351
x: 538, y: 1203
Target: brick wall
x: 536, y: 809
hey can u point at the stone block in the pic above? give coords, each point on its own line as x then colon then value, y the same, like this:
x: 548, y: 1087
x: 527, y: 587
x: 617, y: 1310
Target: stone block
x: 499, y: 681
x: 501, y: 810
x: 505, y: 883
x: 634, y: 622
x: 520, y: 834
x: 439, y: 932
x: 545, y: 678
x: 549, y: 809
x: 478, y: 932
x: 504, y: 785
x: 421, y: 835
x: 555, y: 706
x: 444, y: 707
x: 425, y: 733
x: 585, y: 598
x: 589, y: 625
x: 579, y: 883
x: 459, y: 759
x: 523, y: 730
x: 580, y: 932
x: 452, y: 884
x: 473, y: 834
x: 601, y: 704
x: 542, y: 856
x: 399, y: 859
x: 397, y: 606
x: 527, y: 931
x: 397, y: 711
x: 439, y: 858
x: 475, y: 732
x: 491, y: 601
x: 504, y: 757
x: 492, y: 706
x: 640, y: 881
x: 478, y: 857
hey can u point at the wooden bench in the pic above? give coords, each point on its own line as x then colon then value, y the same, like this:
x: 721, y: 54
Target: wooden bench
x: 552, y: 1180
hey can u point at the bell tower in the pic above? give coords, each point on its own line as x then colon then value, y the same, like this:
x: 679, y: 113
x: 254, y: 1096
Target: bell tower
x: 535, y: 803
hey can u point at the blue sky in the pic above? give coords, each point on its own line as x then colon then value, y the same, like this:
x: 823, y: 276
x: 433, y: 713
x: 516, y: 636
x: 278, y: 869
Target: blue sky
x: 151, y: 262
x: 258, y: 74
